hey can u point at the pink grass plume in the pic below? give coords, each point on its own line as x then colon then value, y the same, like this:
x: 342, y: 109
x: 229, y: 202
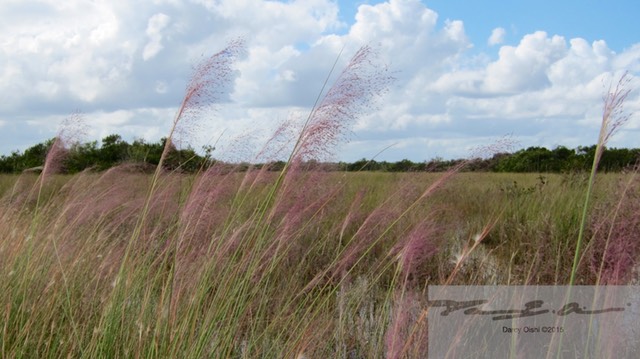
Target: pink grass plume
x: 209, y: 82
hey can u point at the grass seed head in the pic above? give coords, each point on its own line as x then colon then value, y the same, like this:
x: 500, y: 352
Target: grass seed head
x: 354, y: 93
x: 210, y: 81
x: 70, y: 133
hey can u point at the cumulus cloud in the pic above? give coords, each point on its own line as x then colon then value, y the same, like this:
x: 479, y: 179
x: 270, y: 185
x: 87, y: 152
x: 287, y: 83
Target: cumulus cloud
x: 524, y: 67
x: 155, y: 26
x: 125, y: 65
x: 497, y: 36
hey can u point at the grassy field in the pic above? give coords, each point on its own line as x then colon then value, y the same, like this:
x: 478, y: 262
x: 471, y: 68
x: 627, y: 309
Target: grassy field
x: 290, y: 263
x: 293, y: 264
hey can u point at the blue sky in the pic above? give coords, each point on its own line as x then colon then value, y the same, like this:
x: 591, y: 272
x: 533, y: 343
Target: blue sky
x: 468, y: 72
x: 613, y: 21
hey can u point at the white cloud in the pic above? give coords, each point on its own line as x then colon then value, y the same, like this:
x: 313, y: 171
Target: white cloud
x: 161, y: 87
x: 125, y: 65
x: 497, y: 36
x: 524, y: 67
x: 628, y: 59
x: 287, y: 75
x: 156, y: 24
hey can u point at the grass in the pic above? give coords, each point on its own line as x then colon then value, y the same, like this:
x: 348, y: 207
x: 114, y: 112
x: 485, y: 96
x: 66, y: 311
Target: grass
x: 323, y: 278
x: 291, y: 263
x: 613, y: 117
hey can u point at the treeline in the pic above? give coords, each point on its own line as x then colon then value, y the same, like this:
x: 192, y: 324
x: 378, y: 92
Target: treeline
x: 113, y: 150
x: 532, y: 159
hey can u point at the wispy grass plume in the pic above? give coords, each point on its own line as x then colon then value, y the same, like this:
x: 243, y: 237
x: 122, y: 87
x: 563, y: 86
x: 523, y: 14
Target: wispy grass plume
x: 208, y: 84
x: 354, y: 94
x: 613, y: 118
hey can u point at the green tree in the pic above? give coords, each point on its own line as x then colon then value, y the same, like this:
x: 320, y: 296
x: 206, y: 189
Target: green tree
x: 82, y: 156
x: 113, y: 151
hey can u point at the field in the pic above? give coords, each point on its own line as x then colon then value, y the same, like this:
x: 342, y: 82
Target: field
x: 284, y: 264
x: 293, y: 263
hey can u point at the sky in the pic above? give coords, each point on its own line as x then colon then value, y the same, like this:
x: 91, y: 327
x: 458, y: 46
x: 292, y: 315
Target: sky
x: 468, y: 74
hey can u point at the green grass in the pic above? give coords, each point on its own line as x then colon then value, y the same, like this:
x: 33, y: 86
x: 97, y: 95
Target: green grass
x: 251, y: 270
x: 294, y: 263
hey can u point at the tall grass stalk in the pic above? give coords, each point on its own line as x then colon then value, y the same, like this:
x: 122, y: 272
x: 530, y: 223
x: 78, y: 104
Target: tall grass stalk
x: 209, y: 77
x: 613, y: 117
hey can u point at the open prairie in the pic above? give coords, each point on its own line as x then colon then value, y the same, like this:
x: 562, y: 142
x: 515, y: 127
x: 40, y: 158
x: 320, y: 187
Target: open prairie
x: 261, y: 263
x: 288, y: 262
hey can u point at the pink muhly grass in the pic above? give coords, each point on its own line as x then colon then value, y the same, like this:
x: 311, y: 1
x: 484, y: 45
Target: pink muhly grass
x: 348, y: 250
x: 209, y: 81
x: 406, y: 331
x: 22, y: 191
x: 613, y: 117
x: 114, y: 198
x: 200, y: 212
x: 416, y: 334
x: 613, y: 114
x: 460, y: 258
x: 394, y: 337
x: 164, y: 207
x: 355, y: 91
x: 354, y: 213
x: 380, y: 223
x: 369, y: 233
x: 55, y: 157
x: 377, y: 226
x: 280, y: 142
x: 101, y: 210
x: 298, y: 215
x: 420, y: 245
x: 70, y: 132
x: 615, y: 248
x: 204, y: 219
x: 300, y: 205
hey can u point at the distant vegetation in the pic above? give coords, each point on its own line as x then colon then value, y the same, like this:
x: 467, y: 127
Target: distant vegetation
x: 113, y: 151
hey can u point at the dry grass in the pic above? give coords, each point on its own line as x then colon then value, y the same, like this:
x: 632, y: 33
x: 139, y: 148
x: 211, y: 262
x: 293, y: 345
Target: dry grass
x: 210, y: 277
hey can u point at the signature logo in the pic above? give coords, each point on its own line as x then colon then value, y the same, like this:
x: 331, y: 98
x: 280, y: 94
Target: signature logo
x: 531, y: 308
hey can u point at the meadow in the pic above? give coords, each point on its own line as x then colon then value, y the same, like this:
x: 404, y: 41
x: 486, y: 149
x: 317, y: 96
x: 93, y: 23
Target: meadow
x: 331, y: 264
x: 291, y: 262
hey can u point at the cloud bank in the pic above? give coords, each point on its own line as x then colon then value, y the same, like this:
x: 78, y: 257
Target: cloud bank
x: 125, y: 65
